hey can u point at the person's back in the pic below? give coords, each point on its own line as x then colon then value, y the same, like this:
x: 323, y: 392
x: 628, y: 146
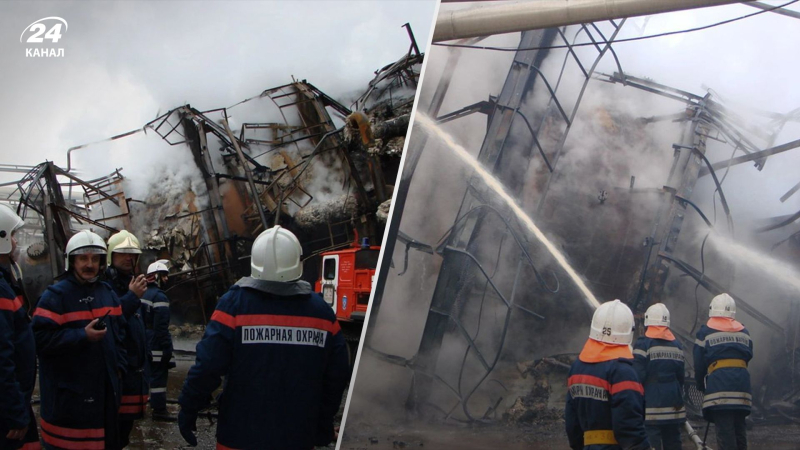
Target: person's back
x: 284, y: 359
x: 721, y: 354
x: 659, y: 363
x: 605, y: 401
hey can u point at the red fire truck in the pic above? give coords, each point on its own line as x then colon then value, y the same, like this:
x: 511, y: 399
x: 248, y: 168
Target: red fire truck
x: 346, y: 284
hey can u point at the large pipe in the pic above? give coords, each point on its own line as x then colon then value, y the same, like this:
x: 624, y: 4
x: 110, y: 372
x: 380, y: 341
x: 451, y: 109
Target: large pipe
x: 509, y: 18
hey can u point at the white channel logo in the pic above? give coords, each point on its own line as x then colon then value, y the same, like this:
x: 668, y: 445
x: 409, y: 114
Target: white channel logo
x: 41, y: 31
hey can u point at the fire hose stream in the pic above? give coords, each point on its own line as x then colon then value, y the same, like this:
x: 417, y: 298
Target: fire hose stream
x: 496, y: 186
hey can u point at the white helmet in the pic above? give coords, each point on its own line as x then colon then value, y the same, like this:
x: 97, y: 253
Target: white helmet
x: 157, y: 266
x: 722, y: 305
x: 612, y: 323
x: 9, y: 222
x: 276, y: 256
x: 84, y: 242
x: 656, y: 315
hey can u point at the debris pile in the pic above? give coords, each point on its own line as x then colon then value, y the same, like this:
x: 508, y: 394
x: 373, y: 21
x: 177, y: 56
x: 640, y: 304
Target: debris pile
x: 545, y: 376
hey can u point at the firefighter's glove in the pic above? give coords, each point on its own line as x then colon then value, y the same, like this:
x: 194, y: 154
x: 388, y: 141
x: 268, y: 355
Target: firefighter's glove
x: 187, y: 423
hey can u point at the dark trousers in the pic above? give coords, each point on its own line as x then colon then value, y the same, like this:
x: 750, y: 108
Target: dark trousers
x: 730, y: 428
x: 158, y: 384
x: 664, y: 437
x: 125, y: 428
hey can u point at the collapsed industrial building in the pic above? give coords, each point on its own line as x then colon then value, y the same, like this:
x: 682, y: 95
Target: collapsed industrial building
x: 320, y: 168
x: 616, y: 170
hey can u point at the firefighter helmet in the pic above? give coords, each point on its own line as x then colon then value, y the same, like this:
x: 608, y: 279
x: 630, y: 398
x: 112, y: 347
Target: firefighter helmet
x: 156, y: 267
x: 656, y: 315
x: 276, y: 256
x: 9, y: 222
x: 722, y: 305
x: 612, y: 323
x: 84, y: 242
x: 122, y: 242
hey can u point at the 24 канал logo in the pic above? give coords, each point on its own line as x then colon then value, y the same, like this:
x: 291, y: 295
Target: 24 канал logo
x: 40, y: 32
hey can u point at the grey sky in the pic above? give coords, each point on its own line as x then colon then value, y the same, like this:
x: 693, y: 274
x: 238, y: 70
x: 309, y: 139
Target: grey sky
x: 125, y: 61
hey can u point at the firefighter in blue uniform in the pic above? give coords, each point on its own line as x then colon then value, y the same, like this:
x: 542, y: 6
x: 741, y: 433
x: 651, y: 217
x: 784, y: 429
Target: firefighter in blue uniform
x: 155, y: 313
x: 78, y: 327
x: 605, y: 401
x: 282, y: 354
x: 721, y: 353
x: 659, y: 362
x: 122, y: 259
x: 17, y: 348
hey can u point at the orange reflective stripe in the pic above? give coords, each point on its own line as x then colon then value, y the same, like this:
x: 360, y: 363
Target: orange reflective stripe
x: 47, y: 314
x: 231, y: 321
x: 590, y: 380
x: 73, y: 445
x: 134, y: 399
x: 224, y: 318
x: 224, y: 447
x: 626, y: 386
x: 13, y: 305
x: 32, y: 446
x: 78, y: 433
x: 74, y: 316
x: 287, y: 321
x: 111, y: 310
x: 132, y: 409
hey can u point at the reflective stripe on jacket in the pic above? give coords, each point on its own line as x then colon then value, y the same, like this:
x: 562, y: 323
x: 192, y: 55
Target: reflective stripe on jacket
x: 660, y: 365
x: 285, y: 365
x: 605, y: 396
x: 727, y: 387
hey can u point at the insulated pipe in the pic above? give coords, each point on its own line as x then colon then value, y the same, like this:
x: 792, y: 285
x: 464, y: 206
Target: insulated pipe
x: 532, y: 15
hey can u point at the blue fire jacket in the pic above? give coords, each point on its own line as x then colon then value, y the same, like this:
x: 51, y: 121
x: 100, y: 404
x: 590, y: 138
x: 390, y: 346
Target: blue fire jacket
x: 155, y: 314
x: 724, y: 387
x: 134, y: 381
x: 659, y: 363
x: 17, y: 361
x: 73, y: 371
x: 603, y: 398
x: 285, y: 364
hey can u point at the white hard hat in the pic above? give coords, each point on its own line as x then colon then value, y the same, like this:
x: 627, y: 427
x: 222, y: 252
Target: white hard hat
x: 84, y: 242
x: 722, y: 305
x: 157, y: 266
x: 276, y: 256
x: 612, y: 323
x: 9, y: 222
x: 657, y: 315
x: 123, y: 242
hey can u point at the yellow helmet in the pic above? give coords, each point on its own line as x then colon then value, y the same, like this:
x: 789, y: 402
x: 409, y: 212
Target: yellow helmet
x: 122, y: 242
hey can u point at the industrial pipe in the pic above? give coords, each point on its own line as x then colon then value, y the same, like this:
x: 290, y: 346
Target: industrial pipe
x: 509, y: 18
